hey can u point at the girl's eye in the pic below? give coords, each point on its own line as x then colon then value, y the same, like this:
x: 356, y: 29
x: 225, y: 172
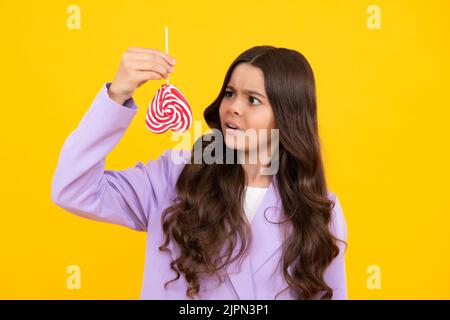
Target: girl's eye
x: 229, y: 93
x: 254, y: 99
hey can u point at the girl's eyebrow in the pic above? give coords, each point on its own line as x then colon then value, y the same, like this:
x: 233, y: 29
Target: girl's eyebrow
x: 247, y: 91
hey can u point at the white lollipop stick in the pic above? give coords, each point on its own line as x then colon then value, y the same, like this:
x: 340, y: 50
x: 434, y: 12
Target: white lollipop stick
x: 167, y: 49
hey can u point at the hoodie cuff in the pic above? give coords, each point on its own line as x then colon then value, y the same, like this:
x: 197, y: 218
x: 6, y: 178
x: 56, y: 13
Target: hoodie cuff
x: 130, y: 103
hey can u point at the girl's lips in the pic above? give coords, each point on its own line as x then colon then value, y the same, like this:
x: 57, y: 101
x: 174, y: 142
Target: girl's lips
x: 232, y: 125
x: 233, y: 131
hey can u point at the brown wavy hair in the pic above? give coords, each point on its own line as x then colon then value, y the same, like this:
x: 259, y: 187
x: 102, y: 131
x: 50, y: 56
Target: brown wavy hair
x: 207, y: 215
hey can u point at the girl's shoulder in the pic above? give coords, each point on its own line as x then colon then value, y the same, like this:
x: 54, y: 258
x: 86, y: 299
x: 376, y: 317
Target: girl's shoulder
x: 178, y: 157
x: 174, y: 161
x: 338, y: 221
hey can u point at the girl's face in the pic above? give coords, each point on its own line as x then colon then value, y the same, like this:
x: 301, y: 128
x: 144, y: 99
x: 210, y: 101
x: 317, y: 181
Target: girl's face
x: 246, y: 106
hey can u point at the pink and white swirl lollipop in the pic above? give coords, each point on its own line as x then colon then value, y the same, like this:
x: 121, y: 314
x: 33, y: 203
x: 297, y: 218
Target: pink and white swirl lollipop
x: 169, y: 109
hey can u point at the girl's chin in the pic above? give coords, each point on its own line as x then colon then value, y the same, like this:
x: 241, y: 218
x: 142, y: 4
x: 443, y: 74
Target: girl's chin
x: 238, y: 147
x: 233, y: 145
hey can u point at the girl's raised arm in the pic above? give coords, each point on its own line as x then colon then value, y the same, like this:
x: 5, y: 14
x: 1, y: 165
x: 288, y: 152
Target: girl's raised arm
x: 81, y: 184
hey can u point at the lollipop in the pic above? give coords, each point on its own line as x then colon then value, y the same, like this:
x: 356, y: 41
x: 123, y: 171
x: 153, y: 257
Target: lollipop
x: 168, y: 109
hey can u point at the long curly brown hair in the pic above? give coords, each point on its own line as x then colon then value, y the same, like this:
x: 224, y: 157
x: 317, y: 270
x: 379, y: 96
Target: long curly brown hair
x: 208, y: 217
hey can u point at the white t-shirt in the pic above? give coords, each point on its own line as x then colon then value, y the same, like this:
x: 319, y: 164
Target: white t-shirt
x: 253, y: 198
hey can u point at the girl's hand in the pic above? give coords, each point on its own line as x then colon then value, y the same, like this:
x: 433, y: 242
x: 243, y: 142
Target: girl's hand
x: 136, y: 67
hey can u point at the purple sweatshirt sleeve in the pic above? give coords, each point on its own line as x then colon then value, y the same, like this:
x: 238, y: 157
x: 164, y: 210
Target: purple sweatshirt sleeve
x: 82, y: 186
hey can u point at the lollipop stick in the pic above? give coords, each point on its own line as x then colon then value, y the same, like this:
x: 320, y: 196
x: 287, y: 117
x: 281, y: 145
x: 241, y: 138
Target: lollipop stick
x: 167, y: 49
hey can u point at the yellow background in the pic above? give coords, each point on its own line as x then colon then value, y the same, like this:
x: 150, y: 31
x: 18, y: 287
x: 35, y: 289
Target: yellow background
x: 383, y: 98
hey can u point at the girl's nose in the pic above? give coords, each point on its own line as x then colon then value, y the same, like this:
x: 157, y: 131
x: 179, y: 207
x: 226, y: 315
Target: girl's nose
x: 236, y: 108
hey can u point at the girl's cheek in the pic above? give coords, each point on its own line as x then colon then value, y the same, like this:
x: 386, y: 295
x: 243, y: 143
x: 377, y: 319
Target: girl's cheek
x: 221, y: 110
x: 262, y: 120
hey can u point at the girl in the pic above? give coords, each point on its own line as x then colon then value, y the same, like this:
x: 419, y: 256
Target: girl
x: 220, y: 230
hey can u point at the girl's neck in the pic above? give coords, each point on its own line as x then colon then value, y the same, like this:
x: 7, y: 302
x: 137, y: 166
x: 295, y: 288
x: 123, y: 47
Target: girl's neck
x: 253, y: 168
x: 254, y: 177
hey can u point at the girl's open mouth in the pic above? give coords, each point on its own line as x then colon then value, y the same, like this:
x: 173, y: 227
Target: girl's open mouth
x: 232, y: 129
